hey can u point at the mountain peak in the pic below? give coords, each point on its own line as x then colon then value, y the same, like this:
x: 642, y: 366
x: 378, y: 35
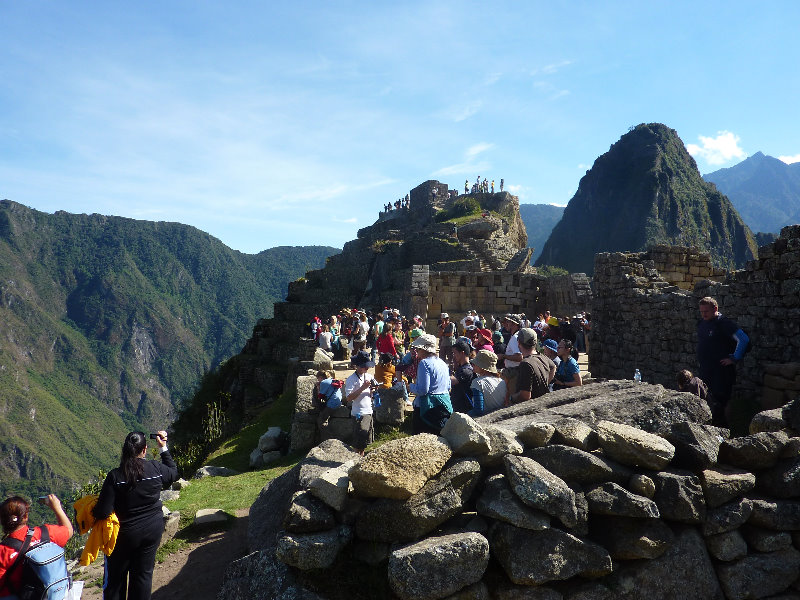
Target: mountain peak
x: 646, y: 190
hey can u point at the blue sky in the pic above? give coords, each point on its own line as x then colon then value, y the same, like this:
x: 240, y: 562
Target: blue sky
x: 268, y: 123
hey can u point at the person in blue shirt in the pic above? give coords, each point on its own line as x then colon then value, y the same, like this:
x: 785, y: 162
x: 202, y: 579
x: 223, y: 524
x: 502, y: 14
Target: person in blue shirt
x: 568, y: 373
x: 329, y: 392
x: 720, y: 345
x: 432, y: 405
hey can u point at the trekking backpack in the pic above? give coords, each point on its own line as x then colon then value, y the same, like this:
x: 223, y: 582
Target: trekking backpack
x: 44, y: 568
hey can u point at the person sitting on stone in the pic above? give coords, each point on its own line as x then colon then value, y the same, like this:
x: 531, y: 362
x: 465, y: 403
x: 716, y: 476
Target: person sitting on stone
x: 488, y: 389
x: 535, y: 371
x: 689, y: 383
x: 326, y: 340
x: 568, y: 373
x: 385, y: 370
x: 432, y: 405
x: 329, y: 392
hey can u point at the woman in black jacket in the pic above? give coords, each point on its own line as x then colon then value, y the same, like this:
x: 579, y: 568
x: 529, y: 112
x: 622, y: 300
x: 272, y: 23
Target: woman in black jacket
x: 133, y: 492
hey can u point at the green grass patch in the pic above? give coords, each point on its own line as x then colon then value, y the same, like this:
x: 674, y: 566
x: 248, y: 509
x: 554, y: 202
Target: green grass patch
x: 225, y: 493
x: 234, y: 452
x: 172, y: 546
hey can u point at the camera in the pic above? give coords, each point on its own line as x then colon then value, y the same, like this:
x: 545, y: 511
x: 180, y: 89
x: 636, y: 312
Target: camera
x: 153, y: 436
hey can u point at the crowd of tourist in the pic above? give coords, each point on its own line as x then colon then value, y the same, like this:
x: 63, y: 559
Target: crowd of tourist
x: 474, y: 365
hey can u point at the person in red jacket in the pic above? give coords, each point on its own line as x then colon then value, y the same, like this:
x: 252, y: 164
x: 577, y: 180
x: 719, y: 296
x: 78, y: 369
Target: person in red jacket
x: 386, y: 342
x: 14, y: 519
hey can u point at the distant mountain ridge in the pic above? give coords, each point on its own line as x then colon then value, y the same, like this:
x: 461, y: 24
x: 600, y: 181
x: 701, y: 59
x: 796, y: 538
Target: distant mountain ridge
x: 539, y: 221
x: 646, y: 190
x: 106, y: 323
x: 765, y: 191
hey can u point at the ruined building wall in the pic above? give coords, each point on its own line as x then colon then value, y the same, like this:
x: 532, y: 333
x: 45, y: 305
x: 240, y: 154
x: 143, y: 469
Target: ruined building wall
x: 644, y: 315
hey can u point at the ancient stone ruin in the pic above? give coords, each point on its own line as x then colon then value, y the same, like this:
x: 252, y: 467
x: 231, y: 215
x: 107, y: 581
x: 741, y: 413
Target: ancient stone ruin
x: 620, y: 491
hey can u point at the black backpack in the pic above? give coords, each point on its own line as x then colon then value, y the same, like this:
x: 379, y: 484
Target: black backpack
x: 44, y: 568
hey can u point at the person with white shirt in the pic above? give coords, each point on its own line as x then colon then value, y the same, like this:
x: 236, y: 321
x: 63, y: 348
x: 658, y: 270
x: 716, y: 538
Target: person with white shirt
x: 358, y: 394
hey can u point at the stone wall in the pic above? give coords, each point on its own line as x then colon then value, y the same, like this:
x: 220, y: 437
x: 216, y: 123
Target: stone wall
x: 644, y: 315
x: 499, y: 293
x: 631, y: 498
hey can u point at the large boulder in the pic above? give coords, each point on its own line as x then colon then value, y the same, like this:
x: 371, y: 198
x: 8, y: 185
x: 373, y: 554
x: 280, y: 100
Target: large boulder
x: 399, y: 468
x: 575, y: 433
x: 683, y: 571
x: 438, y: 566
x: 696, y: 446
x: 614, y: 500
x: 502, y: 441
x: 539, y: 488
x: 781, y: 515
x: 759, y: 575
x: 261, y: 575
x: 754, y: 451
x: 327, y: 455
x: 386, y: 520
x: 499, y: 502
x: 577, y: 466
x: 679, y: 497
x: 269, y: 441
x: 534, y: 434
x: 634, y: 447
x: 727, y: 517
x: 721, y: 484
x: 782, y: 480
x: 312, y: 550
x: 534, y: 557
x: 465, y: 436
x: 727, y: 546
x: 307, y: 514
x: 651, y: 408
x: 628, y: 538
x: 333, y: 485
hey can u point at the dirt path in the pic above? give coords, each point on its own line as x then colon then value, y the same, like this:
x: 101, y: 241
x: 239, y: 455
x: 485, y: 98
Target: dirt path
x: 197, y: 570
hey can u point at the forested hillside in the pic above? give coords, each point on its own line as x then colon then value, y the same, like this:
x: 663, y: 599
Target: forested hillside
x: 107, y: 323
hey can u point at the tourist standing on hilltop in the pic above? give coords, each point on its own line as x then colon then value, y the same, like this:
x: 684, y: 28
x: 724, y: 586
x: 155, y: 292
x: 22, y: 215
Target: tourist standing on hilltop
x: 14, y: 520
x: 358, y: 394
x: 432, y: 405
x: 501, y: 184
x: 466, y: 186
x: 133, y: 492
x: 720, y: 345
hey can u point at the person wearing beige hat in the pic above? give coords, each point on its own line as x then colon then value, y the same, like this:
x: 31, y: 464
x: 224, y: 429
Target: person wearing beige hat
x: 432, y: 406
x: 488, y: 389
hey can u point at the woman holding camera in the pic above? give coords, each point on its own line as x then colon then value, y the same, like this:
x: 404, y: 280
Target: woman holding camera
x: 133, y: 492
x: 14, y: 519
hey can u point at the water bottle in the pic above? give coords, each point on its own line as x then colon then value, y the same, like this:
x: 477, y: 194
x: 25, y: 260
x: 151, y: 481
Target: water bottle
x: 358, y: 416
x: 637, y: 376
x: 376, y: 399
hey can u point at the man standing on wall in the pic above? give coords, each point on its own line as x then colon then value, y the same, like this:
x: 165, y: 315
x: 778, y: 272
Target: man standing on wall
x: 720, y: 345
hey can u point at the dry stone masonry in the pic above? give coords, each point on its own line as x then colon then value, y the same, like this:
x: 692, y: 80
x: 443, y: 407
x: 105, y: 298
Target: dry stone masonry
x: 644, y: 315
x: 572, y: 504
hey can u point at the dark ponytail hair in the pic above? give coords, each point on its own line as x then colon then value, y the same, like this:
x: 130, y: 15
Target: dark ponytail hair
x: 129, y: 464
x: 13, y: 513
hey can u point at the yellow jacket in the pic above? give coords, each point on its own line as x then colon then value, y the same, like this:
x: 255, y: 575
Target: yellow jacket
x: 103, y: 534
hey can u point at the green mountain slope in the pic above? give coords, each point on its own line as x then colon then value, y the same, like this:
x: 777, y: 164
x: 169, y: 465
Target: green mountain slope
x: 107, y: 323
x: 646, y: 190
x: 765, y: 191
x: 539, y: 221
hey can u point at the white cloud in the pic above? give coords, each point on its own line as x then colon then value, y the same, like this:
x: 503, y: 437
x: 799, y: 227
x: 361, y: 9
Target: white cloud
x: 462, y: 113
x: 476, y: 149
x: 717, y: 150
x: 790, y: 159
x: 469, y: 166
x: 551, y: 68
